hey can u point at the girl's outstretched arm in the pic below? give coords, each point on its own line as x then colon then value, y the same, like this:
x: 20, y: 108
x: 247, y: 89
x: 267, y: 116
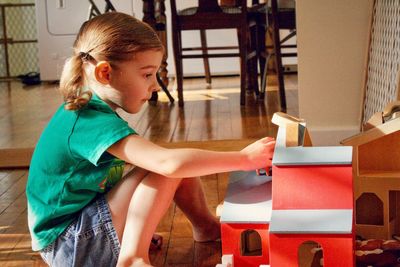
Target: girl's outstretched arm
x: 187, y: 162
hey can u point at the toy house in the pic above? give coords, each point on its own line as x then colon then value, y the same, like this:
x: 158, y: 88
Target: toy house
x: 309, y: 198
x: 376, y: 171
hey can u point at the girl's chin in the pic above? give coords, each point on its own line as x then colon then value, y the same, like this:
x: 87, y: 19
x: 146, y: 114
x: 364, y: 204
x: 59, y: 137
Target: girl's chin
x: 138, y: 107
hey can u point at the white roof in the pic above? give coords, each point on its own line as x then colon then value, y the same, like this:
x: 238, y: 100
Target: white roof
x: 248, y: 199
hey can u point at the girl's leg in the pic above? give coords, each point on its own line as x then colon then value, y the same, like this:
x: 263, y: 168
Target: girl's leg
x: 137, y: 205
x: 191, y: 200
x: 119, y: 197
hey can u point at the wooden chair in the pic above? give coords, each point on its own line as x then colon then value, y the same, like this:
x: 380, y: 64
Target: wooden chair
x: 210, y: 15
x: 279, y: 18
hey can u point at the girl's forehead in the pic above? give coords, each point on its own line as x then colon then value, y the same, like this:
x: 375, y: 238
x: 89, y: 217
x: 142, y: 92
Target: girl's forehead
x: 142, y: 60
x: 147, y: 53
x: 147, y: 57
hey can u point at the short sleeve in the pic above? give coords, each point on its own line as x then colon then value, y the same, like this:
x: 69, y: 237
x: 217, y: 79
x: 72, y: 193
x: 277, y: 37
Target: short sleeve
x: 94, y: 132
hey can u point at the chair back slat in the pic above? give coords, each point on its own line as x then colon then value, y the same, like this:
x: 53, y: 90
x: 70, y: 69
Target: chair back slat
x: 209, y: 6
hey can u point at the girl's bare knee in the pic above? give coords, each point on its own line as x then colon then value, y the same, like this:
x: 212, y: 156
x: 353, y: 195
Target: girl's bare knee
x: 163, y: 182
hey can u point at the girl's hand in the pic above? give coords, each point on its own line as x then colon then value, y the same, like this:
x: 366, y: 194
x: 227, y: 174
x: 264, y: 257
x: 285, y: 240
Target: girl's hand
x: 259, y: 154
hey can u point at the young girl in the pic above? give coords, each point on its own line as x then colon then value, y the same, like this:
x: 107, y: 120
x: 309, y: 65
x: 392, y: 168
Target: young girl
x: 97, y: 190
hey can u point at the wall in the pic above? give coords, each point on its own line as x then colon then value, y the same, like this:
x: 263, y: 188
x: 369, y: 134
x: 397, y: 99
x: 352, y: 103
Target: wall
x: 332, y: 48
x: 55, y: 37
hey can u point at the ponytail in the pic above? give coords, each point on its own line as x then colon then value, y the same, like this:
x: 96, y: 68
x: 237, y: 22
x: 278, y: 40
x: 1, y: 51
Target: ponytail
x: 71, y: 84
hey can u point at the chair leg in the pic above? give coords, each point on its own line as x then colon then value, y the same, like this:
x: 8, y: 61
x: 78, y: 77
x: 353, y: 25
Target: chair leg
x: 253, y: 58
x: 278, y: 55
x: 177, y: 46
x: 243, y: 63
x: 164, y: 88
x: 279, y: 69
x: 203, y: 39
x: 262, y: 56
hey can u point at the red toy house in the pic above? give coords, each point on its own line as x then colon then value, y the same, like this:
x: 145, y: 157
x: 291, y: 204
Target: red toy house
x: 312, y: 200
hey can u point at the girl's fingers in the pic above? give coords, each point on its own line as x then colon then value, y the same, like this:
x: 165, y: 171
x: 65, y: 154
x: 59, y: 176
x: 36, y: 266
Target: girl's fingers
x: 267, y: 139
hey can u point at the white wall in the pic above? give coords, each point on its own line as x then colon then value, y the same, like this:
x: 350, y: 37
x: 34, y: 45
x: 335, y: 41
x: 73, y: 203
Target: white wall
x: 332, y: 46
x: 58, y: 23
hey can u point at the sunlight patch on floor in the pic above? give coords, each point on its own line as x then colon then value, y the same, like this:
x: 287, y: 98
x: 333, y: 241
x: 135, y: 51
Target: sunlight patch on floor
x: 201, y: 94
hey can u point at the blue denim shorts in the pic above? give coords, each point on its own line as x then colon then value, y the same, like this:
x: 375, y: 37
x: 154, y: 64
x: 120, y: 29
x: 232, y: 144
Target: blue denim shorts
x: 90, y: 240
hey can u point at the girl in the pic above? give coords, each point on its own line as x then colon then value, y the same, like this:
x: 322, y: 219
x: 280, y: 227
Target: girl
x: 97, y: 190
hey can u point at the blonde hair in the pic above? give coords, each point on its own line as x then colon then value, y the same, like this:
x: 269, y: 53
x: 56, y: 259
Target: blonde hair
x: 113, y: 37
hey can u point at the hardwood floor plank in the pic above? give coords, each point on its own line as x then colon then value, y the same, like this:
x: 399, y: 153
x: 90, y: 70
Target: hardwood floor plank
x: 224, y: 121
x: 181, y: 227
x: 180, y: 252
x: 26, y: 112
x: 10, y: 239
x: 184, y: 122
x: 222, y: 185
x: 166, y: 223
x: 197, y: 123
x: 14, y: 192
x: 10, y: 179
x: 207, y: 254
x: 210, y: 184
x: 4, y: 173
x: 164, y: 124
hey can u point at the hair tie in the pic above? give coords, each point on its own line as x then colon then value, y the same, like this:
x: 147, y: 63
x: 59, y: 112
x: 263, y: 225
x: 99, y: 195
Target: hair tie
x: 84, y: 56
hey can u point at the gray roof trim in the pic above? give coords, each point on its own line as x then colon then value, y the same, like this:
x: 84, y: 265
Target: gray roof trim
x: 327, y: 221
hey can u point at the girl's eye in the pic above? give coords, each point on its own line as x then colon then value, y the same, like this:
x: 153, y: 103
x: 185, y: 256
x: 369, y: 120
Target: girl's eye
x: 148, y: 75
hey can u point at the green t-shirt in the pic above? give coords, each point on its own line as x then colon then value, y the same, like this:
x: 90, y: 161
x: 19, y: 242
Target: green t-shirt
x: 70, y: 166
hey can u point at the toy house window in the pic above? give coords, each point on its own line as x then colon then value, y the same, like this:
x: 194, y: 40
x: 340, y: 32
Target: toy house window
x: 369, y: 209
x: 250, y: 243
x: 310, y: 254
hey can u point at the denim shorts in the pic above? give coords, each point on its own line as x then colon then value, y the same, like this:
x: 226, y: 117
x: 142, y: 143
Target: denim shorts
x: 90, y: 240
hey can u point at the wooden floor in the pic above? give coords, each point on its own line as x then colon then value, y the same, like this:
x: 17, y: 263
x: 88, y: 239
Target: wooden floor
x: 209, y: 114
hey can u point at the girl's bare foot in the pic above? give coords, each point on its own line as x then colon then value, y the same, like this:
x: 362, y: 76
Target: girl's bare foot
x: 205, y: 232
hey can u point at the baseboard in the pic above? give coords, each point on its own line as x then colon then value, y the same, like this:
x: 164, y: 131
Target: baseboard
x: 290, y: 68
x: 15, y: 157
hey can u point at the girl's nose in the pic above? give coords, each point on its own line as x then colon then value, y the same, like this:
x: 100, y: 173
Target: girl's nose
x: 156, y: 88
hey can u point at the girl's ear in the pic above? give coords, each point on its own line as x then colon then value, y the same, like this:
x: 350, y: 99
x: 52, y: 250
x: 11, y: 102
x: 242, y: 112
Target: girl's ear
x: 102, y: 72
